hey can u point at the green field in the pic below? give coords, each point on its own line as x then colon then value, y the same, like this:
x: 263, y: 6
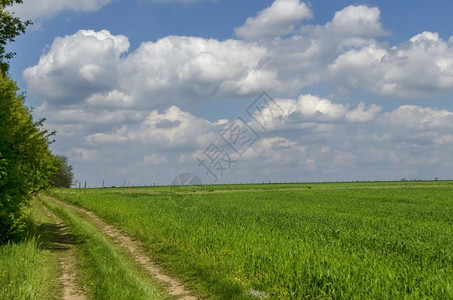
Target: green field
x: 27, y: 267
x: 335, y: 240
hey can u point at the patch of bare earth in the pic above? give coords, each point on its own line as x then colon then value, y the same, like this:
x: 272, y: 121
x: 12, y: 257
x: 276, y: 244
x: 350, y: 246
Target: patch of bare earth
x: 173, y: 286
x: 61, y: 241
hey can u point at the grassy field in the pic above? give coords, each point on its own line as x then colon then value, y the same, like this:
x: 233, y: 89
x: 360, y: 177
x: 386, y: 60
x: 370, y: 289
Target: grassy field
x: 338, y: 240
x: 28, y: 270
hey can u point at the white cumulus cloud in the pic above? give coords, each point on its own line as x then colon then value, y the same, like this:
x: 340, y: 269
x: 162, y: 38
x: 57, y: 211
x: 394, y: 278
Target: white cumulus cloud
x: 48, y: 8
x: 420, y: 118
x: 132, y: 110
x: 171, y: 129
x: 358, y: 20
x: 77, y: 66
x: 193, y: 68
x: 88, y: 67
x: 361, y: 114
x: 278, y: 19
x: 307, y: 111
x: 421, y: 67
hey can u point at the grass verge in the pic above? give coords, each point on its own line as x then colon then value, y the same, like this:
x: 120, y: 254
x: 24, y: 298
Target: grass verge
x: 28, y: 270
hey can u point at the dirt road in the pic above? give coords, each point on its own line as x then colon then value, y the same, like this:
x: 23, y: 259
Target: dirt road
x: 173, y: 286
x: 58, y: 238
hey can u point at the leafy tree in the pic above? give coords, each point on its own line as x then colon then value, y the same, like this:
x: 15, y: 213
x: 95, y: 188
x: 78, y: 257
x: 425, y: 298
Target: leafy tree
x: 10, y: 27
x: 26, y: 163
x: 65, y: 176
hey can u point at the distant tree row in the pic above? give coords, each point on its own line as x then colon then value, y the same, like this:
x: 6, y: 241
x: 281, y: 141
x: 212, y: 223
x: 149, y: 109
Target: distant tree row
x: 26, y: 163
x: 64, y: 177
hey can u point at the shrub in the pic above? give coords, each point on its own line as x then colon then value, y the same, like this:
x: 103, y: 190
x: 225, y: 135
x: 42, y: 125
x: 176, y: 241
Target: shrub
x: 26, y: 162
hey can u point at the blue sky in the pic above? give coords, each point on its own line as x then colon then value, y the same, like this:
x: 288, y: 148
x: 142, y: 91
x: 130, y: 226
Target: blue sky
x: 141, y: 91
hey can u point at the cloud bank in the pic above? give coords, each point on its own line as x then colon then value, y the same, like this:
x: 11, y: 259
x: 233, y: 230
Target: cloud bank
x: 45, y: 9
x: 121, y: 111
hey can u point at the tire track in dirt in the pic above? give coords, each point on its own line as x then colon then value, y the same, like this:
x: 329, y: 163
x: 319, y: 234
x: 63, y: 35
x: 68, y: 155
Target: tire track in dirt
x: 61, y: 241
x: 173, y: 286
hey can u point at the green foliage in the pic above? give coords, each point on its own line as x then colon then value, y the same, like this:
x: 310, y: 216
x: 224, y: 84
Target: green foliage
x: 313, y: 241
x: 65, y: 175
x: 10, y: 27
x: 25, y: 160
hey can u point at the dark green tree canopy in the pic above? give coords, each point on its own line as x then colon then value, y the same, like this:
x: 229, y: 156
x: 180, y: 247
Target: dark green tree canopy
x: 10, y: 27
x: 26, y: 163
x: 65, y: 175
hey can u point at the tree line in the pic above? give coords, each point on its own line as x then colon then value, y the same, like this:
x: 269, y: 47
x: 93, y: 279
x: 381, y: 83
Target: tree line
x: 26, y: 163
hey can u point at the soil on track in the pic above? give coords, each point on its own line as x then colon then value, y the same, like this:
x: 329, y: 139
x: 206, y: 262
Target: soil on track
x: 59, y: 239
x: 173, y: 286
